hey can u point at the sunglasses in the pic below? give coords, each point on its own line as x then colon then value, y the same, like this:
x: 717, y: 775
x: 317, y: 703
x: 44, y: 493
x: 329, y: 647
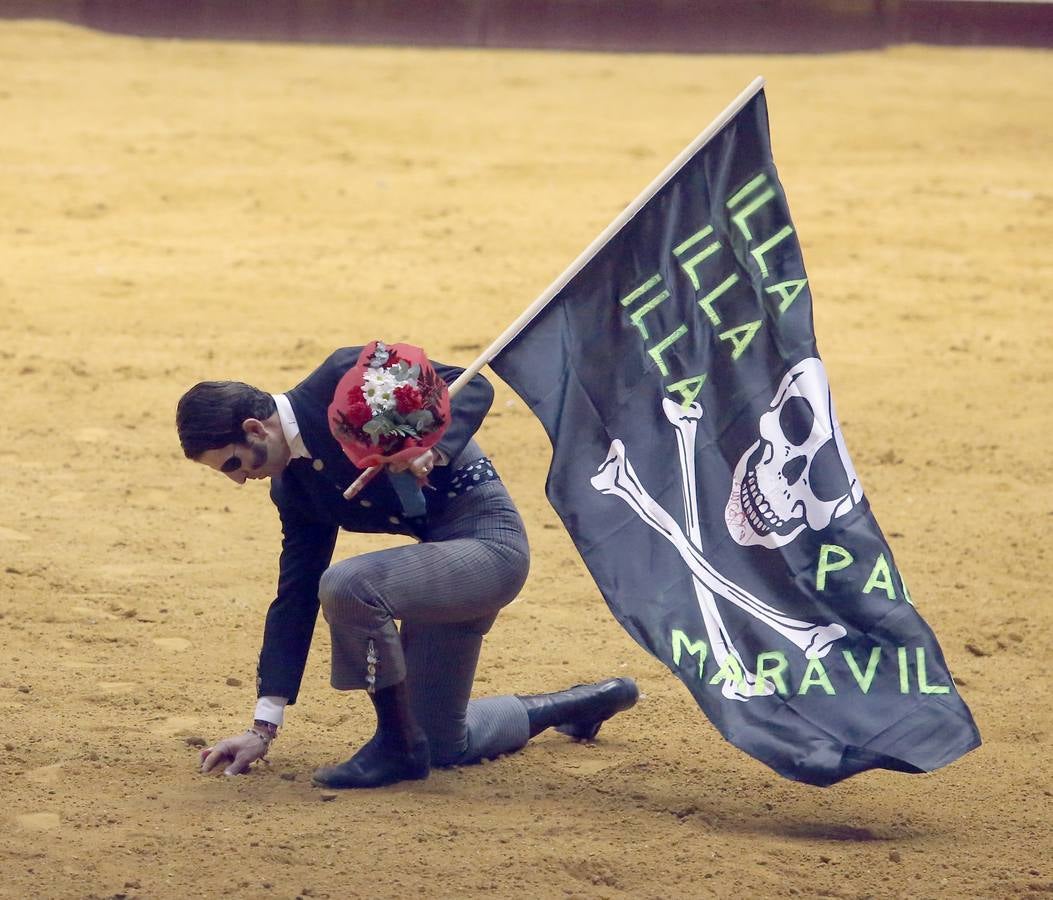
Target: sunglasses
x: 232, y: 464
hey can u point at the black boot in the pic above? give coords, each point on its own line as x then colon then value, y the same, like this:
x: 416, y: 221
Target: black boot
x: 397, y: 752
x: 581, y: 710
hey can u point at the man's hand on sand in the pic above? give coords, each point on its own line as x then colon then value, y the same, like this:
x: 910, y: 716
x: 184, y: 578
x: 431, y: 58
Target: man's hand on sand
x: 237, y: 753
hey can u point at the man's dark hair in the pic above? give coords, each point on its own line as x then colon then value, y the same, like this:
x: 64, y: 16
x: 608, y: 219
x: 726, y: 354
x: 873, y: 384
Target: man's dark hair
x: 210, y: 414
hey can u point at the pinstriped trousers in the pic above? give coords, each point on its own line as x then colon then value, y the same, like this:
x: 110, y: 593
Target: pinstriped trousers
x: 446, y: 591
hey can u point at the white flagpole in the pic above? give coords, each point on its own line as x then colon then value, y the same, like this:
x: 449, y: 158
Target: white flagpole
x: 589, y: 252
x: 610, y: 231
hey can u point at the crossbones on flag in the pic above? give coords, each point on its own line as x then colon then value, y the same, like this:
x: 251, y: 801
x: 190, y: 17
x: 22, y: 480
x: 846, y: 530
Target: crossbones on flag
x: 701, y: 471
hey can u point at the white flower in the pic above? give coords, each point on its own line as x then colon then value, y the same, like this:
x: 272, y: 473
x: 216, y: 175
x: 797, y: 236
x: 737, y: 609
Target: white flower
x: 378, y: 388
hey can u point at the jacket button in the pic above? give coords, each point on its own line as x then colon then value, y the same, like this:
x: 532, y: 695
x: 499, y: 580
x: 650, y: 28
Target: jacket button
x: 318, y: 465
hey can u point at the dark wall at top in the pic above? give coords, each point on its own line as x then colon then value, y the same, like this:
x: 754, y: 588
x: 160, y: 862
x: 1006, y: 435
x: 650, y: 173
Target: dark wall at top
x: 721, y: 26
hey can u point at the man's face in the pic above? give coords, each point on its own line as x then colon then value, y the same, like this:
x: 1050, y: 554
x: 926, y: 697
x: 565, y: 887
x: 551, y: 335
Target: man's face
x: 253, y: 459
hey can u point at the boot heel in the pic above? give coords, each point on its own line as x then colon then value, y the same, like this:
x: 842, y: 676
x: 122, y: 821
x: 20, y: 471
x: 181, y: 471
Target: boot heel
x: 376, y: 765
x: 578, y: 712
x: 618, y: 697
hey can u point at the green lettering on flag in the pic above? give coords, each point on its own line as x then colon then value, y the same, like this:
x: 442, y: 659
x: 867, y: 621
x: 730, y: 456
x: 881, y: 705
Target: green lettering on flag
x: 880, y: 577
x: 690, y: 265
x: 629, y: 299
x: 682, y: 642
x: 741, y: 336
x: 863, y: 679
x: 825, y: 565
x: 815, y: 676
x: 758, y: 252
x: 773, y: 674
x: 688, y: 389
x: 706, y: 303
x: 636, y: 316
x: 657, y: 351
x: 739, y: 219
x: 923, y: 684
x: 788, y: 290
x: 730, y: 670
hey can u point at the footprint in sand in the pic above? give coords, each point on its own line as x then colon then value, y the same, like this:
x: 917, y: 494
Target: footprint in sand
x: 45, y: 774
x: 173, y: 643
x: 91, y: 613
x: 67, y: 497
x: 122, y: 571
x: 91, y: 435
x: 75, y: 663
x: 175, y: 725
x: 118, y: 687
x: 39, y: 821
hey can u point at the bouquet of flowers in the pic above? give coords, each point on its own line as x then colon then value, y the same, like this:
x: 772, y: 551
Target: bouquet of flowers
x: 390, y: 405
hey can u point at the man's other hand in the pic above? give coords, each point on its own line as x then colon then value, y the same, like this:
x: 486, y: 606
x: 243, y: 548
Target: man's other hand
x: 419, y: 466
x: 236, y: 753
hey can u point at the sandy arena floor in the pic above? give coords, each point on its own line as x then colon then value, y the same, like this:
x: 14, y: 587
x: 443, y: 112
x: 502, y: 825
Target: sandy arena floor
x: 178, y: 211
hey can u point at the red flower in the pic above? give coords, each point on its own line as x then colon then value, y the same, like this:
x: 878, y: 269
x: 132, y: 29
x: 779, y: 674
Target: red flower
x: 358, y: 413
x: 408, y: 399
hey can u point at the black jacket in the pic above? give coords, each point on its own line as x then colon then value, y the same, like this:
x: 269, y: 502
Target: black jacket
x: 309, y: 497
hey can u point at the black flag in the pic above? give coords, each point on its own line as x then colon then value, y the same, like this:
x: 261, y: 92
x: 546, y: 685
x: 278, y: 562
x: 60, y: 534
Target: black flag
x: 700, y: 469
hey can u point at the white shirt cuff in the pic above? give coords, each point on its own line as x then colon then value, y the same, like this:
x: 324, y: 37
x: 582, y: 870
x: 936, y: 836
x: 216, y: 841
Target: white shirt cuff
x: 271, y: 709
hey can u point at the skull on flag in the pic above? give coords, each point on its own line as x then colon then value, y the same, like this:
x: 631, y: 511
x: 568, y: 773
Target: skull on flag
x: 798, y: 473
